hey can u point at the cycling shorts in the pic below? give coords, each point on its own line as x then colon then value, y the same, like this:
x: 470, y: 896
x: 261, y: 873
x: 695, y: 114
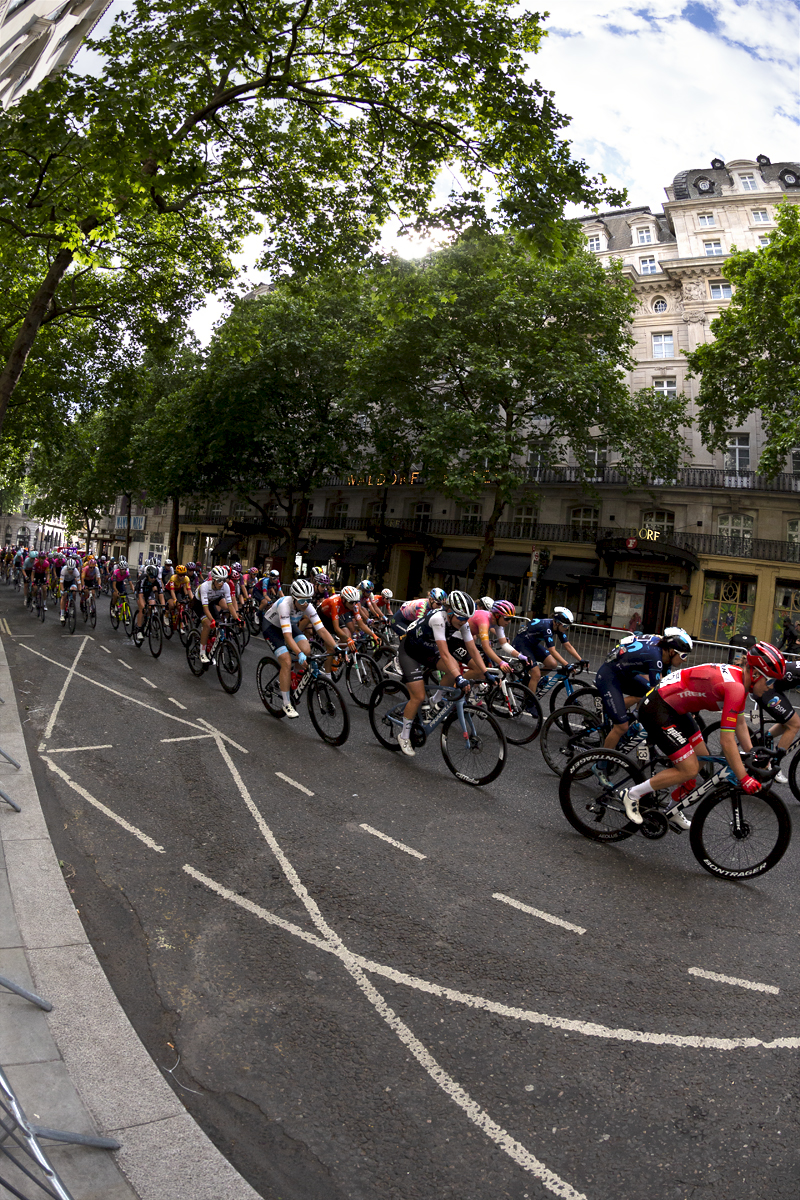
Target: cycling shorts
x: 613, y: 690
x: 213, y: 608
x: 530, y: 649
x: 414, y: 667
x: 274, y: 635
x: 778, y: 705
x: 676, y: 734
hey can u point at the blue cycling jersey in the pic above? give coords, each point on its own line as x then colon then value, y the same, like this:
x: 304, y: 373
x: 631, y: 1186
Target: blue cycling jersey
x: 541, y: 632
x: 637, y: 658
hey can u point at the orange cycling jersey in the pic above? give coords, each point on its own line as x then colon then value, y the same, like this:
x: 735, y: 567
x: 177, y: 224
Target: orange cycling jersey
x: 713, y: 686
x: 334, y: 608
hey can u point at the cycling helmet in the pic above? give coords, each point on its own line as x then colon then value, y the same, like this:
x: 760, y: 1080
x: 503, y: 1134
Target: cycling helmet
x: 236, y: 575
x: 563, y: 616
x: 764, y: 659
x: 237, y: 566
x: 322, y: 579
x: 167, y: 562
x: 439, y: 595
x: 350, y: 595
x: 151, y: 570
x: 367, y: 585
x: 674, y: 638
x: 387, y: 594
x: 180, y: 569
x: 316, y: 570
x: 123, y: 563
x: 487, y: 602
x: 219, y: 574
x: 252, y: 570
x: 274, y: 574
x: 72, y: 562
x: 302, y: 589
x: 40, y: 552
x: 103, y: 558
x: 503, y: 608
x: 461, y: 604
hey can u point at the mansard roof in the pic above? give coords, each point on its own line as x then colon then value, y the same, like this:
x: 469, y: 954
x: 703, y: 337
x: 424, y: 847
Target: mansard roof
x: 619, y: 222
x: 718, y: 175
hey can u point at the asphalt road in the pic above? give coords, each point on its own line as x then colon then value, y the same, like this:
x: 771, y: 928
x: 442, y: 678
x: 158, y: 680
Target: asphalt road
x: 349, y: 1019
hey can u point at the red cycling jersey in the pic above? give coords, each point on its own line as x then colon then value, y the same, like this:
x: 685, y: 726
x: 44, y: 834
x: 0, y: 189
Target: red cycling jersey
x: 334, y: 607
x: 712, y: 686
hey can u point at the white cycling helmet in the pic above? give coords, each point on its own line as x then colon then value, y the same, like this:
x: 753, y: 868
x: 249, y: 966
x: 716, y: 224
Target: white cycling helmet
x: 351, y: 594
x: 302, y: 589
x: 72, y: 562
x: 487, y: 602
x: 219, y: 574
x: 123, y: 562
x: 461, y: 604
x: 675, y: 638
x: 387, y: 593
x: 563, y: 616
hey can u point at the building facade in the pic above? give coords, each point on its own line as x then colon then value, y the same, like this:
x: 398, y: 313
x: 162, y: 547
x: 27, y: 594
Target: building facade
x: 38, y: 37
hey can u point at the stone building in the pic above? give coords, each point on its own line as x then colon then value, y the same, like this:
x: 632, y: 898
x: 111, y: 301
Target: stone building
x: 38, y: 37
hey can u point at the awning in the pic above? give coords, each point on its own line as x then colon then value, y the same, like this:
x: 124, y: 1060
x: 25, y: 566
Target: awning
x: 567, y: 570
x: 224, y: 544
x: 453, y: 562
x: 322, y: 551
x: 360, y: 554
x: 509, y: 566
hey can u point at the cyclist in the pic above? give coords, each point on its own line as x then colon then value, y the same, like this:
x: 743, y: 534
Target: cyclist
x: 429, y: 643
x: 90, y: 578
x: 27, y: 571
x: 148, y: 587
x: 323, y: 587
x: 777, y: 704
x: 70, y: 580
x: 412, y: 610
x: 166, y: 572
x: 212, y: 597
x: 178, y: 586
x: 632, y: 668
x: 666, y: 714
x: 41, y: 571
x: 367, y: 598
x: 538, y: 643
x: 273, y: 590
x: 281, y: 628
x: 119, y: 578
x: 339, y: 613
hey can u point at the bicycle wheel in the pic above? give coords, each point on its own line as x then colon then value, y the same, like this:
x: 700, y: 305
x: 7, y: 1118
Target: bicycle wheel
x: 269, y: 688
x: 193, y: 653
x: 127, y: 616
x: 184, y: 625
x: 92, y: 612
x: 168, y: 623
x: 388, y: 696
x: 113, y: 613
x: 479, y: 756
x: 328, y: 712
x: 71, y: 614
x: 155, y: 632
x: 245, y: 629
x: 520, y: 716
x: 567, y: 732
x: 362, y: 677
x: 589, y: 801
x: 737, y: 836
x: 40, y: 606
x: 254, y: 621
x: 229, y: 666
x: 85, y: 610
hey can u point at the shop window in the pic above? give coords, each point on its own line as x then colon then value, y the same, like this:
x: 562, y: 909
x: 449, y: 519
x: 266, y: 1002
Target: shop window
x: 660, y: 519
x: 787, y: 604
x: 728, y: 606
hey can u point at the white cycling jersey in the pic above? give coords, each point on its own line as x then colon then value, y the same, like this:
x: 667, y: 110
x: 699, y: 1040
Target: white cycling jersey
x: 69, y: 575
x: 283, y: 612
x: 207, y: 594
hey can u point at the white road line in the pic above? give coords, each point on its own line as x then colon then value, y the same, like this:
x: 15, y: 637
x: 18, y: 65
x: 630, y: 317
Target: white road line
x: 177, y: 703
x: 587, y: 1028
x: 294, y: 783
x: 106, y: 649
x: 385, y: 838
x: 440, y: 1077
x: 537, y: 912
x: 130, y: 668
x: 63, y: 692
x: 147, y: 681
x: 75, y: 749
x: 745, y: 983
x: 218, y: 733
x: 76, y: 787
x: 193, y: 737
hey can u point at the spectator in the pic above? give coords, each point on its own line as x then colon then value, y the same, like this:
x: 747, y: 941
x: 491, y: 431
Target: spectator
x: 789, y: 638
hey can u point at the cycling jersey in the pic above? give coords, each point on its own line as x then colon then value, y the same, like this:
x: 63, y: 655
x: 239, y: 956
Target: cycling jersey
x: 537, y: 640
x: 70, y: 575
x: 630, y: 670
x: 334, y: 607
x: 412, y: 609
x: 178, y: 581
x: 709, y: 686
x: 434, y: 627
x: 284, y: 616
x: 27, y: 566
x: 209, y: 592
x: 145, y: 586
x: 41, y: 566
x: 482, y: 623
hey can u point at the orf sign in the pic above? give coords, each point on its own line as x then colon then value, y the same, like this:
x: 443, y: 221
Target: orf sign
x: 630, y: 543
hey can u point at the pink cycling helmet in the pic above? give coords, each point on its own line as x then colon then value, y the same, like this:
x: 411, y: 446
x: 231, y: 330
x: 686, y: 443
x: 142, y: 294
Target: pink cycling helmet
x: 503, y: 608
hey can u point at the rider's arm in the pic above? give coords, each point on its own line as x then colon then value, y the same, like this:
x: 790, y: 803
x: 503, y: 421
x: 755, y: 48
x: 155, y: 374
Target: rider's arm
x: 319, y: 628
x: 450, y: 664
x: 568, y: 646
x: 727, y: 740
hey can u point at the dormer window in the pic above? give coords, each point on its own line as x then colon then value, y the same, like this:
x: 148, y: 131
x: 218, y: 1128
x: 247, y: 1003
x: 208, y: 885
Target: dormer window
x: 593, y: 242
x: 748, y: 182
x: 645, y: 236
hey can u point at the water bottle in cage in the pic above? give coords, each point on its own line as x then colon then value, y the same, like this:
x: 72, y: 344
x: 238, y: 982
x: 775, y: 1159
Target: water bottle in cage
x: 296, y: 677
x: 635, y: 741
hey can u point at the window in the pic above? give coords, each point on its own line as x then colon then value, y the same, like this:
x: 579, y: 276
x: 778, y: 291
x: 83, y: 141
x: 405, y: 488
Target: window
x: 215, y: 511
x: 763, y: 240
x: 760, y: 216
x: 373, y: 510
x: 737, y: 457
x: 339, y: 514
x: 241, y: 511
x: 720, y: 291
x: 787, y: 604
x: 421, y: 513
x: 598, y: 455
x: 585, y: 519
x: 706, y: 220
x: 663, y: 345
x: 472, y: 515
x: 647, y: 266
x: 727, y: 608
x: 645, y: 237
x: 593, y: 242
x: 795, y: 461
x: 660, y: 519
x: 713, y: 249
x: 793, y: 531
x: 660, y: 305
x: 748, y: 182
x: 735, y: 525
x: 524, y: 520
x: 667, y: 387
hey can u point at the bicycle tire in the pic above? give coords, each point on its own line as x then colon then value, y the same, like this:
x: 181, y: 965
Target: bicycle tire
x: 40, y: 607
x: 523, y: 722
x: 479, y: 758
x: 792, y: 774
x: 193, y: 653
x: 566, y: 733
x: 184, y: 626
x: 722, y: 852
x: 361, y: 679
x: 246, y: 633
x: 229, y: 666
x: 71, y: 614
x: 92, y: 612
x: 586, y: 800
x: 254, y: 621
x: 127, y: 616
x: 113, y: 614
x: 167, y: 625
x: 155, y: 632
x: 85, y: 610
x: 328, y: 712
x: 268, y: 686
x: 387, y: 695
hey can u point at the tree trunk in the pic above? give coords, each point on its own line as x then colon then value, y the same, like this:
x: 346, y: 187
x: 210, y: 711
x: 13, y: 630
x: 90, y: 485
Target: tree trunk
x: 487, y: 549
x: 129, y: 498
x: 174, y: 524
x: 297, y: 518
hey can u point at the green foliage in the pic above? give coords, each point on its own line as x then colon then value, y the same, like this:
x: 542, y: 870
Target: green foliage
x: 754, y: 362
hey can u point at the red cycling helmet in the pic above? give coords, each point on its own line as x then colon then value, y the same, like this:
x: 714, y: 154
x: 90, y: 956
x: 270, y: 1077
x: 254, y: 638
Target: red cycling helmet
x: 764, y: 659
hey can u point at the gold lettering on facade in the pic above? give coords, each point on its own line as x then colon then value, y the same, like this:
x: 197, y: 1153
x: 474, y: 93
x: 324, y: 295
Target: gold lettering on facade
x: 649, y: 535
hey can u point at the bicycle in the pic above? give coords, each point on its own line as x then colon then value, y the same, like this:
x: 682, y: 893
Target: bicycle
x: 733, y: 835
x: 761, y: 736
x: 514, y: 704
x: 472, y: 741
x: 326, y: 704
x: 71, y: 612
x: 558, y: 682
x: 361, y: 673
x: 573, y: 730
x: 152, y: 628
x: 120, y: 610
x: 40, y: 600
x: 251, y: 613
x: 89, y: 607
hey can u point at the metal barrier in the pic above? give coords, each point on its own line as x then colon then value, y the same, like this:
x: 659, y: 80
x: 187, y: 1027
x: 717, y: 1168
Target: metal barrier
x: 595, y: 643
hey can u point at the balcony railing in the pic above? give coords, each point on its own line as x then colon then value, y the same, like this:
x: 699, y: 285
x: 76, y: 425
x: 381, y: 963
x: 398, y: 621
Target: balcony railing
x: 196, y: 517
x: 707, y: 478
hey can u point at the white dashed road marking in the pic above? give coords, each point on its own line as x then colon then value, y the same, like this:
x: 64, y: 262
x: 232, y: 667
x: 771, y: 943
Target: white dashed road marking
x: 129, y: 667
x: 76, y: 787
x: 385, y: 838
x: 294, y: 783
x: 192, y: 737
x: 75, y: 749
x: 147, y: 681
x: 106, y: 649
x: 744, y: 983
x: 177, y: 703
x: 537, y: 912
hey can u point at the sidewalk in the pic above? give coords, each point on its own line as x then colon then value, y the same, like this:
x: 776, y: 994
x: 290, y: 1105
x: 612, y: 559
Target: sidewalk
x: 82, y: 1067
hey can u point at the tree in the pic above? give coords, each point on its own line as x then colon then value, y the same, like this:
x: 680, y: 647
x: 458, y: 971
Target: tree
x: 754, y: 362
x: 127, y: 191
x: 488, y: 354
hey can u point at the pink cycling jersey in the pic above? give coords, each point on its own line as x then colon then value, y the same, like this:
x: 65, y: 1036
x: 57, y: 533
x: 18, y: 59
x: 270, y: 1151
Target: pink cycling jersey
x: 481, y: 622
x: 713, y: 686
x: 120, y: 576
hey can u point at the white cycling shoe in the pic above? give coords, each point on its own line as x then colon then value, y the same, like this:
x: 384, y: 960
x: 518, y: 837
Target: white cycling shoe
x: 678, y: 819
x: 204, y: 657
x: 781, y: 778
x: 405, y: 746
x: 631, y: 807
x: 290, y: 711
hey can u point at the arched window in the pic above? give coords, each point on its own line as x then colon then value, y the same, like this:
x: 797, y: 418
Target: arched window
x: 660, y: 519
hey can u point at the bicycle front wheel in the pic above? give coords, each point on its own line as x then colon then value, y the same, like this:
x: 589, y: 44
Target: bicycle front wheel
x: 567, y: 732
x: 113, y: 614
x: 229, y: 666
x: 155, y: 633
x: 168, y: 623
x: 127, y: 617
x: 268, y: 684
x: 328, y: 712
x: 478, y: 756
x: 387, y: 701
x: 92, y: 612
x: 520, y: 716
x: 738, y: 836
x: 362, y: 677
x: 40, y: 603
x: 589, y: 792
x: 193, y: 653
x: 71, y: 615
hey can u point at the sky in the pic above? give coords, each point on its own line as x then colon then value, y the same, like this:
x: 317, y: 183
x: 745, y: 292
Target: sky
x: 655, y: 88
